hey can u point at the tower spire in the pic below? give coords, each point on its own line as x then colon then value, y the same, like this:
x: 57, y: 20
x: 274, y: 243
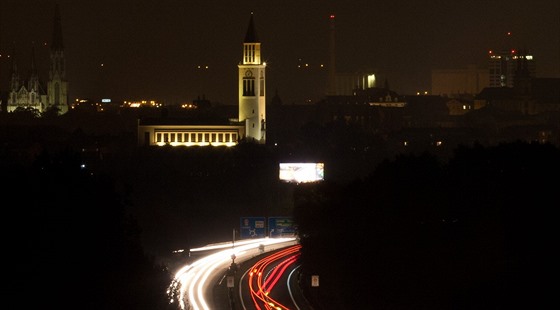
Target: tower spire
x: 57, y: 43
x: 14, y: 76
x: 251, y: 35
x: 57, y: 86
x: 33, y: 69
x: 33, y: 84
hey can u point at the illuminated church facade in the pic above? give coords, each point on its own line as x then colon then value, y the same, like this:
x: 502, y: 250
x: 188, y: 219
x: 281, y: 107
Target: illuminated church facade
x: 251, y: 122
x: 31, y: 94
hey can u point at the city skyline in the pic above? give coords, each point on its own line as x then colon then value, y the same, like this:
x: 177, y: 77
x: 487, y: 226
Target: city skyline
x: 153, y: 50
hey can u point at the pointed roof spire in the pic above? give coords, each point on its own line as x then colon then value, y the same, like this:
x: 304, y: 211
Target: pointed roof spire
x: 57, y: 31
x: 14, y: 63
x: 251, y: 36
x: 33, y: 69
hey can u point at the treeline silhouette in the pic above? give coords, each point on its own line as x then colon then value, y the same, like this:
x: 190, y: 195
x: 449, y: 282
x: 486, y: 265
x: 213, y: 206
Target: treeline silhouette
x: 68, y: 242
x: 475, y: 232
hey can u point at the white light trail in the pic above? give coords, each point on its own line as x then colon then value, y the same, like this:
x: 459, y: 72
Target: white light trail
x: 194, y: 282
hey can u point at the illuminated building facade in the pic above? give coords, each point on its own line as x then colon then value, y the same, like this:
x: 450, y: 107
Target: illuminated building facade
x: 502, y: 66
x: 175, y: 134
x: 30, y: 94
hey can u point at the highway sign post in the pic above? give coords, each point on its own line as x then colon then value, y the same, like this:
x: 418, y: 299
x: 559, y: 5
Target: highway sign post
x: 252, y: 227
x: 281, y: 226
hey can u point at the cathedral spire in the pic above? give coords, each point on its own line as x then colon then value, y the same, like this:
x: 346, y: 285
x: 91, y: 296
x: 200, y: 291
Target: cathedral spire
x: 14, y: 76
x: 33, y: 68
x: 57, y: 31
x: 33, y: 83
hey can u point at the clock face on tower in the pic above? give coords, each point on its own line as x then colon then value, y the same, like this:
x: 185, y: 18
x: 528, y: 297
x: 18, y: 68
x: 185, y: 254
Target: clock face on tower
x: 248, y: 73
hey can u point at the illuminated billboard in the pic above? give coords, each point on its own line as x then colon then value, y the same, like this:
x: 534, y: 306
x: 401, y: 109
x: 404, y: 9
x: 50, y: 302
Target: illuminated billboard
x: 302, y: 172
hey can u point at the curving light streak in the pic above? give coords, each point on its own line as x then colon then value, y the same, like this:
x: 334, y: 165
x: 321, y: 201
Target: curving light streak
x: 260, y: 290
x: 192, y: 285
x: 225, y: 245
x: 292, y: 273
x: 278, y: 271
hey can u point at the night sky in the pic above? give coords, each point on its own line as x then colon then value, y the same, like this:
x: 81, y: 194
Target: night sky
x: 151, y: 49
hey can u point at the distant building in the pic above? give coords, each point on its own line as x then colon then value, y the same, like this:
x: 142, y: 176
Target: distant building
x: 460, y: 105
x: 501, y: 72
x: 31, y: 94
x: 453, y: 83
x: 542, y: 97
x: 373, y: 109
x: 181, y: 132
x: 502, y: 66
x: 344, y: 84
x: 250, y: 125
x: 529, y: 110
x: 527, y: 96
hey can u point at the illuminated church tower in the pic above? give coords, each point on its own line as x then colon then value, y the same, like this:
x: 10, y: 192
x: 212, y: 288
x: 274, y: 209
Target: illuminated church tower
x: 252, y: 95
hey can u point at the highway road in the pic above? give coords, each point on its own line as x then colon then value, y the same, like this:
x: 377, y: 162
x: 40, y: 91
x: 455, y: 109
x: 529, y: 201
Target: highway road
x: 271, y: 282
x: 194, y: 285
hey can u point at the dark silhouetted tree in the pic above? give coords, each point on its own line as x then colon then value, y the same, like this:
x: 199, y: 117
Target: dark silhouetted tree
x: 476, y: 232
x: 71, y: 243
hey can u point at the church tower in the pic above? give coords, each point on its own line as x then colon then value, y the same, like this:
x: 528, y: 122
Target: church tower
x: 25, y: 94
x: 15, y: 81
x: 57, y: 85
x: 252, y: 95
x: 14, y: 78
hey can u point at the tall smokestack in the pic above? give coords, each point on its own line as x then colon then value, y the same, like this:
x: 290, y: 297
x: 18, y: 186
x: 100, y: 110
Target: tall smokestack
x: 331, y: 80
